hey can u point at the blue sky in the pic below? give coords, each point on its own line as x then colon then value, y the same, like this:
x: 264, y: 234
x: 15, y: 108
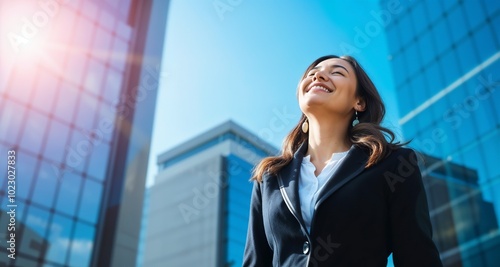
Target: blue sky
x: 243, y: 62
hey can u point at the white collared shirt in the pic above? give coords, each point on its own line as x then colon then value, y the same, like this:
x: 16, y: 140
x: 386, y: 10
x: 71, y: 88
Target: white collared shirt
x: 310, y: 185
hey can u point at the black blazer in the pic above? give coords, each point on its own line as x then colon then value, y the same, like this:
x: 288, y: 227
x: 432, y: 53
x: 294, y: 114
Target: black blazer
x: 362, y: 215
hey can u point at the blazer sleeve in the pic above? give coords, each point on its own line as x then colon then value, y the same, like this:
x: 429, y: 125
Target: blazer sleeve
x: 411, y: 230
x: 257, y: 250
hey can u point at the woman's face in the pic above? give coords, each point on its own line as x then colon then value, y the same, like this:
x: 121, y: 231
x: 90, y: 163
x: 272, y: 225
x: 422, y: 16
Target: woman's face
x: 329, y: 88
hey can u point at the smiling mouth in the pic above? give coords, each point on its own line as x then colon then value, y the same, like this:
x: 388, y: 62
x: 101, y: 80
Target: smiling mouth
x: 319, y: 87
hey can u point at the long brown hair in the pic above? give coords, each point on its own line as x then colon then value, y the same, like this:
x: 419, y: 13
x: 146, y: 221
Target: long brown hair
x: 368, y: 134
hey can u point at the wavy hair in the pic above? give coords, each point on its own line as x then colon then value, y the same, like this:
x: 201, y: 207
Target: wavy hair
x: 368, y: 135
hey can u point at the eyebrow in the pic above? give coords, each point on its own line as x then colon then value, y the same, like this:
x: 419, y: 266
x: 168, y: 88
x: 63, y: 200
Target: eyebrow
x: 334, y: 66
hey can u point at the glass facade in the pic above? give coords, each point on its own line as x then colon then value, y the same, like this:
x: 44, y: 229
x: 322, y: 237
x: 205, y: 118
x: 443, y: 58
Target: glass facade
x: 445, y: 61
x: 67, y: 113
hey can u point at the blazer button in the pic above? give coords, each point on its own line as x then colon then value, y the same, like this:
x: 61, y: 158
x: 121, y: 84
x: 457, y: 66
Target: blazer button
x: 305, y: 247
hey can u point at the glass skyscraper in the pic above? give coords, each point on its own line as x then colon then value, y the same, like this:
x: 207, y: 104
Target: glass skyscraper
x: 445, y: 60
x: 199, y: 204
x: 78, y: 86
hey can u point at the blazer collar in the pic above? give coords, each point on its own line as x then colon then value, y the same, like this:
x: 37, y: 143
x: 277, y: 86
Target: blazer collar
x: 352, y: 165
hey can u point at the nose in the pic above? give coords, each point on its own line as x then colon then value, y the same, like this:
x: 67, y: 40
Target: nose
x: 320, y: 75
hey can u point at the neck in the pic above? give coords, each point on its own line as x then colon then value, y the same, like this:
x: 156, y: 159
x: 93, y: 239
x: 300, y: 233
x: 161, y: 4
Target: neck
x: 326, y: 137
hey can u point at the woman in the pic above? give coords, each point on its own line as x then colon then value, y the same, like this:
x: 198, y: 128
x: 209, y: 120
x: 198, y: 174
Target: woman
x: 339, y: 194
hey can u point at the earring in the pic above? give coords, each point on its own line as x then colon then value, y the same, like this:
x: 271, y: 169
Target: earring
x: 356, y: 120
x: 305, y: 126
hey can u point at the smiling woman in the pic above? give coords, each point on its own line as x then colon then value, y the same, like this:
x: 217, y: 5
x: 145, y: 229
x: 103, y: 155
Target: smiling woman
x: 340, y: 193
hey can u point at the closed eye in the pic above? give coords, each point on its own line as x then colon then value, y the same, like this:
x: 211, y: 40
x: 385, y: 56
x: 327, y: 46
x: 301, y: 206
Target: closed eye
x: 338, y: 73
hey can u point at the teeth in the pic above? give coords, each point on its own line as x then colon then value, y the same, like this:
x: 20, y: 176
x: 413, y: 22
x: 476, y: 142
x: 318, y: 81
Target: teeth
x: 321, y: 88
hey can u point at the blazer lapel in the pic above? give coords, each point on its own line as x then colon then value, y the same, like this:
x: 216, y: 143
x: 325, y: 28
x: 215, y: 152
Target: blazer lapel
x: 288, y: 179
x: 351, y: 166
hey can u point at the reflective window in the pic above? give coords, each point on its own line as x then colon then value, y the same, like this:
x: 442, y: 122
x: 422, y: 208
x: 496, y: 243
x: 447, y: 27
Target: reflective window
x: 85, y: 28
x: 75, y: 68
x: 94, y: 78
x: 466, y: 55
x: 37, y: 223
x: 45, y: 92
x: 98, y: 159
x: 91, y: 198
x: 407, y: 33
x: 102, y: 44
x: 66, y: 102
x: 78, y: 151
x: 11, y: 121
x: 405, y: 98
x: 81, y: 245
x: 491, y: 6
x: 441, y: 36
x: 426, y: 48
x: 24, y: 175
x: 491, y: 148
x: 400, y: 73
x: 20, y: 87
x: 57, y: 140
x: 457, y: 24
x: 120, y: 52
x: 105, y: 121
x: 34, y: 131
x: 412, y: 59
x: 495, y: 23
x: 434, y: 10
x: 59, y: 238
x: 419, y: 17
x: 85, y: 115
x: 69, y: 191
x: 483, y: 39
x: 112, y: 86
x: 474, y: 13
x: 450, y: 67
x: 45, y: 185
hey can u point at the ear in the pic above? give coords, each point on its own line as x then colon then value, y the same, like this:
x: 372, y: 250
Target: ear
x: 360, y: 104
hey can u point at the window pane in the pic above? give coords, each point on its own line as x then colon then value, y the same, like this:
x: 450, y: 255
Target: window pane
x: 113, y: 86
x: 94, y: 78
x: 426, y: 48
x: 81, y: 247
x: 45, y: 185
x: 406, y: 34
x: 25, y: 169
x: 59, y: 238
x: 78, y: 151
x: 419, y: 17
x: 120, y: 52
x: 457, y: 24
x: 86, y: 112
x: 57, y: 140
x: 45, y: 93
x: 467, y: 56
x: 69, y: 191
x: 90, y: 202
x: 441, y: 36
x: 11, y: 121
x: 98, y: 160
x: 34, y: 131
x: 102, y: 44
x: 450, y: 66
x: 34, y: 232
x: 474, y: 12
x: 434, y: 10
x: 66, y: 102
x: 484, y: 40
x: 412, y: 59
